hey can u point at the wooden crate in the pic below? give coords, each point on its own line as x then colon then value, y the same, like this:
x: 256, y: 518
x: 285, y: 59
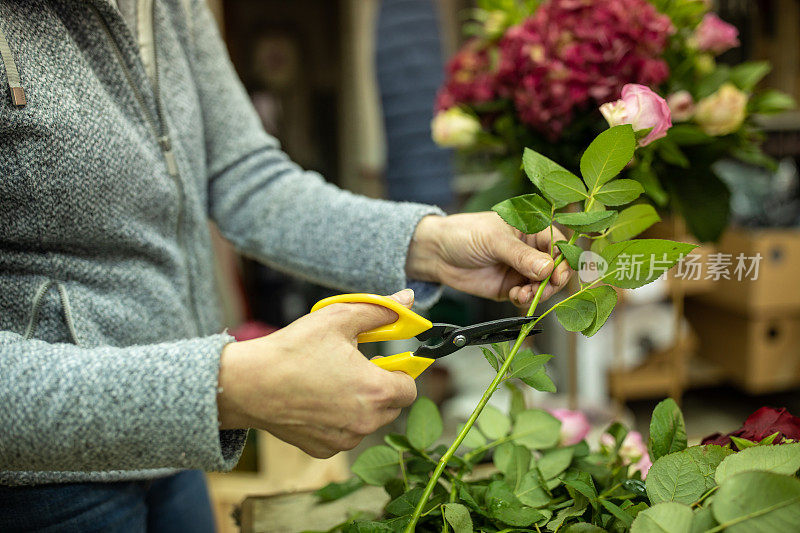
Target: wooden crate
x: 281, y: 468
x: 760, y: 353
x: 777, y: 287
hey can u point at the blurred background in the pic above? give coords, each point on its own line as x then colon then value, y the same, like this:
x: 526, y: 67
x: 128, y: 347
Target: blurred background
x: 349, y: 87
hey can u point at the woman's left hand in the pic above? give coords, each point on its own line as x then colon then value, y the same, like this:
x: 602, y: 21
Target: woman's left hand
x: 480, y: 254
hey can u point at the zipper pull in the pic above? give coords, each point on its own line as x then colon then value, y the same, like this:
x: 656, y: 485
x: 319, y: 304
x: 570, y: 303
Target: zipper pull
x: 169, y: 155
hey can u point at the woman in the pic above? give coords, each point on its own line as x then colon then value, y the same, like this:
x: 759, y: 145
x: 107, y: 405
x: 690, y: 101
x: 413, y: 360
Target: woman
x: 127, y: 131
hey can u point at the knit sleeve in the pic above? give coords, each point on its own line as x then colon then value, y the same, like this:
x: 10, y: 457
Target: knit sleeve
x: 282, y: 215
x: 71, y: 409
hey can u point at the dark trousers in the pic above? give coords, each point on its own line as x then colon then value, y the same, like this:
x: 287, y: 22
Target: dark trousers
x: 176, y: 503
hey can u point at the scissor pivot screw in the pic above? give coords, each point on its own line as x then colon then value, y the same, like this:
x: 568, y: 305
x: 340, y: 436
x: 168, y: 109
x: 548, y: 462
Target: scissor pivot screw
x: 460, y: 340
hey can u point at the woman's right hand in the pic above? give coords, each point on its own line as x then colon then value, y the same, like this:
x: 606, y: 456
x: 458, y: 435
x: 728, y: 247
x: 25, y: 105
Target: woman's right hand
x: 308, y: 384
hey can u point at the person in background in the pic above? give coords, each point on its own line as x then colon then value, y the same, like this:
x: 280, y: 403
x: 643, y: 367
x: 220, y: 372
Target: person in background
x: 410, y: 69
x: 123, y: 131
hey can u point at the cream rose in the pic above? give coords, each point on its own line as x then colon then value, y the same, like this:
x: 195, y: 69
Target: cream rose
x: 454, y: 128
x: 722, y: 112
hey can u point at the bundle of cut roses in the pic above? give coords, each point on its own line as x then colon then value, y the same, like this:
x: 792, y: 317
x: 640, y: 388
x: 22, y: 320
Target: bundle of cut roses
x: 535, y: 73
x: 543, y: 476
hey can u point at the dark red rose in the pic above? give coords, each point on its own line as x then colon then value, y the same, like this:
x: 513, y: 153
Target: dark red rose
x: 761, y: 424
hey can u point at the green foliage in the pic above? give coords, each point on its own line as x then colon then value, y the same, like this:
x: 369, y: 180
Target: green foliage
x: 554, y: 462
x: 747, y: 75
x: 572, y: 253
x: 538, y: 484
x: 783, y: 459
x: 377, y: 465
x: 632, y: 264
x: 527, y: 364
x: 562, y: 188
x: 537, y: 166
x: 619, y: 192
x: 607, y: 155
x: 667, y: 517
x: 703, y: 200
x: 684, y: 476
x: 587, y: 222
x: 536, y: 429
x: 576, y: 314
x: 770, y: 102
x: 603, y: 298
x: 632, y: 221
x: 334, y: 491
x: 494, y: 423
x: 503, y: 506
x: 758, y: 502
x: 741, y: 443
x: 474, y: 438
x: 424, y: 424
x: 540, y: 381
x: 667, y: 430
x: 458, y: 517
x: 492, y: 358
x: 671, y: 153
x: 529, y: 213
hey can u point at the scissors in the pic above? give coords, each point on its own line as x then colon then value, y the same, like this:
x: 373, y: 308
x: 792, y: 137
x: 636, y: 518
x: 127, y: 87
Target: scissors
x: 410, y: 324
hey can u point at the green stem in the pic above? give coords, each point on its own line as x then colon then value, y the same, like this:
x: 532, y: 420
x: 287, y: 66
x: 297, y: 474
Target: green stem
x: 452, y: 500
x: 708, y: 493
x: 403, y: 470
x: 484, y: 399
x: 477, y: 451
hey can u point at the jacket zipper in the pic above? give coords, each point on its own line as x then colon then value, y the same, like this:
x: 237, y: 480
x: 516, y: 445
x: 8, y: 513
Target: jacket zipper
x: 158, y: 128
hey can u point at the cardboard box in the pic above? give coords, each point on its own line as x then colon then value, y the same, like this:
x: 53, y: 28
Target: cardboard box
x: 760, y: 353
x: 775, y: 289
x: 689, y: 277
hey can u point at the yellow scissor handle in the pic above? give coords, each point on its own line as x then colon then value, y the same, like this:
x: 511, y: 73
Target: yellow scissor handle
x: 409, y: 324
x: 405, y: 362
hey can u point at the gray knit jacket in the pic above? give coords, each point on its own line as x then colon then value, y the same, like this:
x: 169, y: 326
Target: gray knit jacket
x: 109, y: 331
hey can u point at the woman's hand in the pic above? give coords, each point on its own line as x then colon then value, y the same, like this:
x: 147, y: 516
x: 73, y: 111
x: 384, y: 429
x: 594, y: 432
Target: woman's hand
x: 480, y: 254
x: 308, y: 384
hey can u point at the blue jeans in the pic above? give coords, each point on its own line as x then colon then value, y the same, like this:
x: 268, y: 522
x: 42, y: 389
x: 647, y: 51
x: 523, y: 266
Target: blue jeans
x: 176, y: 503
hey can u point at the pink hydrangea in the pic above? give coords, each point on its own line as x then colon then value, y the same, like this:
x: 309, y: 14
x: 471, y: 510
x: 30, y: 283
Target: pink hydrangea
x: 470, y: 78
x: 715, y: 35
x: 574, y: 54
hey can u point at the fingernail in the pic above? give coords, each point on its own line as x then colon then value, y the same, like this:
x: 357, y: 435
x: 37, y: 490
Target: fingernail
x: 543, y: 267
x: 563, y: 278
x: 405, y: 297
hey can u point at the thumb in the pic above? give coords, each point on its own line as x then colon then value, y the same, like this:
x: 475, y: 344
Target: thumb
x: 528, y: 261
x: 364, y: 317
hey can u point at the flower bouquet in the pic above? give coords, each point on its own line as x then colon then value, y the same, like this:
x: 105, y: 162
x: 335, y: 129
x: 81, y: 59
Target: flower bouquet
x: 534, y: 74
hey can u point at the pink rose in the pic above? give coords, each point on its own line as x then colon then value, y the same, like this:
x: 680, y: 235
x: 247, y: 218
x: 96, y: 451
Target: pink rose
x: 633, y: 448
x: 715, y: 35
x: 574, y: 426
x: 641, y: 108
x: 633, y: 451
x: 642, y: 466
x: 681, y: 105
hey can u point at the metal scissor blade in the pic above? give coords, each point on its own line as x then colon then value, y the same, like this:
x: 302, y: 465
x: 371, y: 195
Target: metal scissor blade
x: 502, y: 336
x: 454, y: 337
